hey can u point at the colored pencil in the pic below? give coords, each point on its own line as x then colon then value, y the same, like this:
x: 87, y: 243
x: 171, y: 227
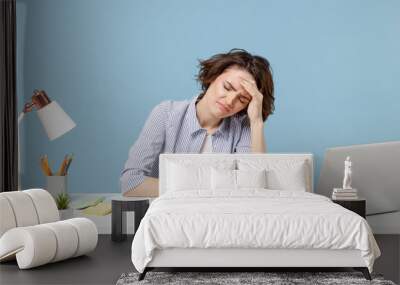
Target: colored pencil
x: 62, y: 166
x: 68, y: 164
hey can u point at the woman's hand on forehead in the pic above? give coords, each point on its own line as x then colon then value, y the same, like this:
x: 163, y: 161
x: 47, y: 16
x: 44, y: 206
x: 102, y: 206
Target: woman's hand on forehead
x: 245, y: 92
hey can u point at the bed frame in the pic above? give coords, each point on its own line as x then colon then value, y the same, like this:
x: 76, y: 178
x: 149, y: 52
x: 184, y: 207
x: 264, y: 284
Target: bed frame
x: 247, y: 259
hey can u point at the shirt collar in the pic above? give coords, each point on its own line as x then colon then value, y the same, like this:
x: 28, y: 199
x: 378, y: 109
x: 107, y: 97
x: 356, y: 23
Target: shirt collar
x: 194, y: 125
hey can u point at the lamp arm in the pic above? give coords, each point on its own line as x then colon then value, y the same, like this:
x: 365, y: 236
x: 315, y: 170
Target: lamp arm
x: 39, y: 99
x: 20, y: 117
x: 27, y: 108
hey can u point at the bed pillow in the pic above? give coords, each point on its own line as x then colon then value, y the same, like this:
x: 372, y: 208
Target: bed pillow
x: 293, y: 178
x: 227, y: 179
x: 223, y: 179
x: 282, y: 174
x: 186, y: 175
x: 251, y: 178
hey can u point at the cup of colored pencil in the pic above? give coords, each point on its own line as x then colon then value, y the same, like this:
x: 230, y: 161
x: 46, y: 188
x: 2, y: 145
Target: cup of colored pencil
x: 56, y: 181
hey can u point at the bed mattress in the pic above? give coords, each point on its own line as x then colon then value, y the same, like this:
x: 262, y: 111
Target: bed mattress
x: 250, y: 219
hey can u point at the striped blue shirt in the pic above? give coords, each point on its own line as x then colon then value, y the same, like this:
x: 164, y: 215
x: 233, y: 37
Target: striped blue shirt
x: 173, y: 127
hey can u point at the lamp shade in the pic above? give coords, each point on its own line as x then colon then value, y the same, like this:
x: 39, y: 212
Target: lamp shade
x: 54, y: 120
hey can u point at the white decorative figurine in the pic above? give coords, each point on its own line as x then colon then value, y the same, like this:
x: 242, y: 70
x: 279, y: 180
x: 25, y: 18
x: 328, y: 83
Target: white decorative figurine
x: 347, y: 174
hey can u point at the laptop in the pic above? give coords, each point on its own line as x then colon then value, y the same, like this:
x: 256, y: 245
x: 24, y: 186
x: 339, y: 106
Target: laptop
x: 375, y: 174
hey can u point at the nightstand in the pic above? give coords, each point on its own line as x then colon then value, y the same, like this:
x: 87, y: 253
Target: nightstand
x: 120, y: 205
x: 358, y: 206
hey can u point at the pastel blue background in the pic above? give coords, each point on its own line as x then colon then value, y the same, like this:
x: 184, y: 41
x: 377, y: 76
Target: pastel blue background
x: 108, y: 63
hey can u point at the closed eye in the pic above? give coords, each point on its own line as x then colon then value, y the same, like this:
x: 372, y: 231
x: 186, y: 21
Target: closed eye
x: 242, y: 99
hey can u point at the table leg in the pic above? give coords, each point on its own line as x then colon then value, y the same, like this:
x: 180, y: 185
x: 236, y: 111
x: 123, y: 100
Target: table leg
x: 118, y: 222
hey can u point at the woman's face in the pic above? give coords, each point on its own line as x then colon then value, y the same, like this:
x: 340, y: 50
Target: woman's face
x: 225, y: 95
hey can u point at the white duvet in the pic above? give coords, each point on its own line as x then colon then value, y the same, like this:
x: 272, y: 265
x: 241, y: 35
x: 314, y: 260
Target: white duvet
x: 252, y: 218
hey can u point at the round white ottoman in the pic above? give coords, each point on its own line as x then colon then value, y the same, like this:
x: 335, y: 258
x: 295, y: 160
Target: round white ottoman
x: 31, y: 232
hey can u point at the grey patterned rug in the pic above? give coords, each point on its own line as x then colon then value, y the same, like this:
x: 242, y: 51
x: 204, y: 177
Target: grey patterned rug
x: 225, y: 278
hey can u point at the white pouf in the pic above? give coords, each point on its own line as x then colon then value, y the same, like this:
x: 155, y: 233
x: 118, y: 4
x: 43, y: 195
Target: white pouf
x: 31, y: 232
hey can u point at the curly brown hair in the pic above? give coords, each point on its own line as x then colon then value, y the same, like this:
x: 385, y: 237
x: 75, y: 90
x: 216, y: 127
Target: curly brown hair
x: 257, y: 66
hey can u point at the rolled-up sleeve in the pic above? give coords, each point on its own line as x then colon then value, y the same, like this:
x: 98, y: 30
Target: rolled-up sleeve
x: 244, y: 142
x: 145, y: 151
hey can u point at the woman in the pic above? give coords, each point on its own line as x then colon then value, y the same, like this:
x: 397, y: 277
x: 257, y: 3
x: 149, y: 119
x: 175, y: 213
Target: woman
x: 227, y: 117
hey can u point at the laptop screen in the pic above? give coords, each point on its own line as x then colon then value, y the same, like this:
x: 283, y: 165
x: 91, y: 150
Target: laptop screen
x: 375, y: 174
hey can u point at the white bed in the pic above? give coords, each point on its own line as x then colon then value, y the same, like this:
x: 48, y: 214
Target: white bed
x: 248, y: 227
